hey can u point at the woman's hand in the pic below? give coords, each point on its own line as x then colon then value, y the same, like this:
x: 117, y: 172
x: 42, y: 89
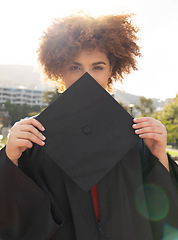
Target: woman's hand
x: 154, y: 135
x: 21, y: 136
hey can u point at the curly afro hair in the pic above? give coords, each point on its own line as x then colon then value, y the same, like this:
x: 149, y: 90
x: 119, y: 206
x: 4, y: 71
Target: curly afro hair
x: 113, y: 35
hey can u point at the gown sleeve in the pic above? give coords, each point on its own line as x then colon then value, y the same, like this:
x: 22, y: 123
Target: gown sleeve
x: 149, y: 162
x: 24, y: 208
x: 160, y: 189
x: 173, y: 171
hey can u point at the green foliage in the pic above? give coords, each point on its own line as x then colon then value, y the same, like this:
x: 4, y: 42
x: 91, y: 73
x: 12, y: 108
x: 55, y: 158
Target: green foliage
x: 50, y: 96
x: 169, y: 117
x: 173, y: 153
x: 125, y: 107
x: 3, y: 142
x: 14, y: 112
x: 145, y: 107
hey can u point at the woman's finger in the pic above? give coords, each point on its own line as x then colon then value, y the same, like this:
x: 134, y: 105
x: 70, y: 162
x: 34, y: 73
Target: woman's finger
x: 145, y: 119
x: 23, y: 143
x: 31, y: 129
x: 20, y: 135
x: 149, y: 122
x: 32, y: 121
x: 149, y: 130
x: 154, y: 136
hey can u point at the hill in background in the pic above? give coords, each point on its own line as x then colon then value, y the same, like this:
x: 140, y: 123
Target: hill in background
x: 28, y: 76
x: 128, y: 98
x: 18, y: 75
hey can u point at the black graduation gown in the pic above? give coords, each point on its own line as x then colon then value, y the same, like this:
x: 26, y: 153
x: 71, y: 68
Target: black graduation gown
x: 49, y: 197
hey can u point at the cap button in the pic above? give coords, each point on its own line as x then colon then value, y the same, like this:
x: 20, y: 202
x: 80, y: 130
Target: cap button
x: 87, y: 129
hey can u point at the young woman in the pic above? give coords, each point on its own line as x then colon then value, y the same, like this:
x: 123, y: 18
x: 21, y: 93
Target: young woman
x: 106, y: 48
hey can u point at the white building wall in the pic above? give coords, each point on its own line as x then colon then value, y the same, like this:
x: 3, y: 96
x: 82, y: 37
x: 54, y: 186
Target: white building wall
x: 22, y: 96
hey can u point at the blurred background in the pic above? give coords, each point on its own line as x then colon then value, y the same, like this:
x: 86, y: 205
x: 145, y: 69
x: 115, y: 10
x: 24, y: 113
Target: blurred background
x: 149, y: 91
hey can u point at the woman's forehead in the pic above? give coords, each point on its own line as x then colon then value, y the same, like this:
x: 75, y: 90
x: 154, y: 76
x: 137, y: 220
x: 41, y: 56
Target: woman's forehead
x: 86, y: 56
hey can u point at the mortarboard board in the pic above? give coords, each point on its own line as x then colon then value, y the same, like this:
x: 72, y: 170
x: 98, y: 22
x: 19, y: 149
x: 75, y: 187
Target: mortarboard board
x: 87, y: 132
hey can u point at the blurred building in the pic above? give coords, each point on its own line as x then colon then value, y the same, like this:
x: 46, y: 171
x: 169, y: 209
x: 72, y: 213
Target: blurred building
x: 21, y: 96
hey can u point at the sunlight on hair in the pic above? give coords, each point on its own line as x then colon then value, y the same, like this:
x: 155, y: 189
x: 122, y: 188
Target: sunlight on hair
x: 23, y: 23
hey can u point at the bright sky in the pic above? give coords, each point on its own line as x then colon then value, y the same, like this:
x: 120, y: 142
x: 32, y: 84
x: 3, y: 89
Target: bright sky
x: 22, y: 23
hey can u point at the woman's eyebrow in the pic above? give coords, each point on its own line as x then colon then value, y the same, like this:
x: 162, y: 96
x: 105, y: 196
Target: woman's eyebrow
x: 97, y: 63
x: 76, y: 63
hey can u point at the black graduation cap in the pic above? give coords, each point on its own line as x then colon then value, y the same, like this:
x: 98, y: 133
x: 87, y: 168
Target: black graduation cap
x: 87, y: 132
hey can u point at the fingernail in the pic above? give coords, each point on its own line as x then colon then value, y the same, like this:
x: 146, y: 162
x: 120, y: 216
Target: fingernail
x: 134, y: 125
x: 43, y: 143
x: 42, y: 128
x: 43, y: 137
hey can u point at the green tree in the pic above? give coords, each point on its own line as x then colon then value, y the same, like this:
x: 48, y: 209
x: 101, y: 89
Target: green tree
x: 169, y: 117
x: 16, y: 112
x: 50, y: 96
x: 145, y: 107
x: 4, y: 116
x: 125, y: 107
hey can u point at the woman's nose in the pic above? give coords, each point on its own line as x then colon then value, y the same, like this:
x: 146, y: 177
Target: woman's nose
x: 88, y: 71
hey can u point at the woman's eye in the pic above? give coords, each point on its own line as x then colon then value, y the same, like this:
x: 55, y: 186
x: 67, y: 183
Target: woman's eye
x: 98, y: 68
x: 73, y: 68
